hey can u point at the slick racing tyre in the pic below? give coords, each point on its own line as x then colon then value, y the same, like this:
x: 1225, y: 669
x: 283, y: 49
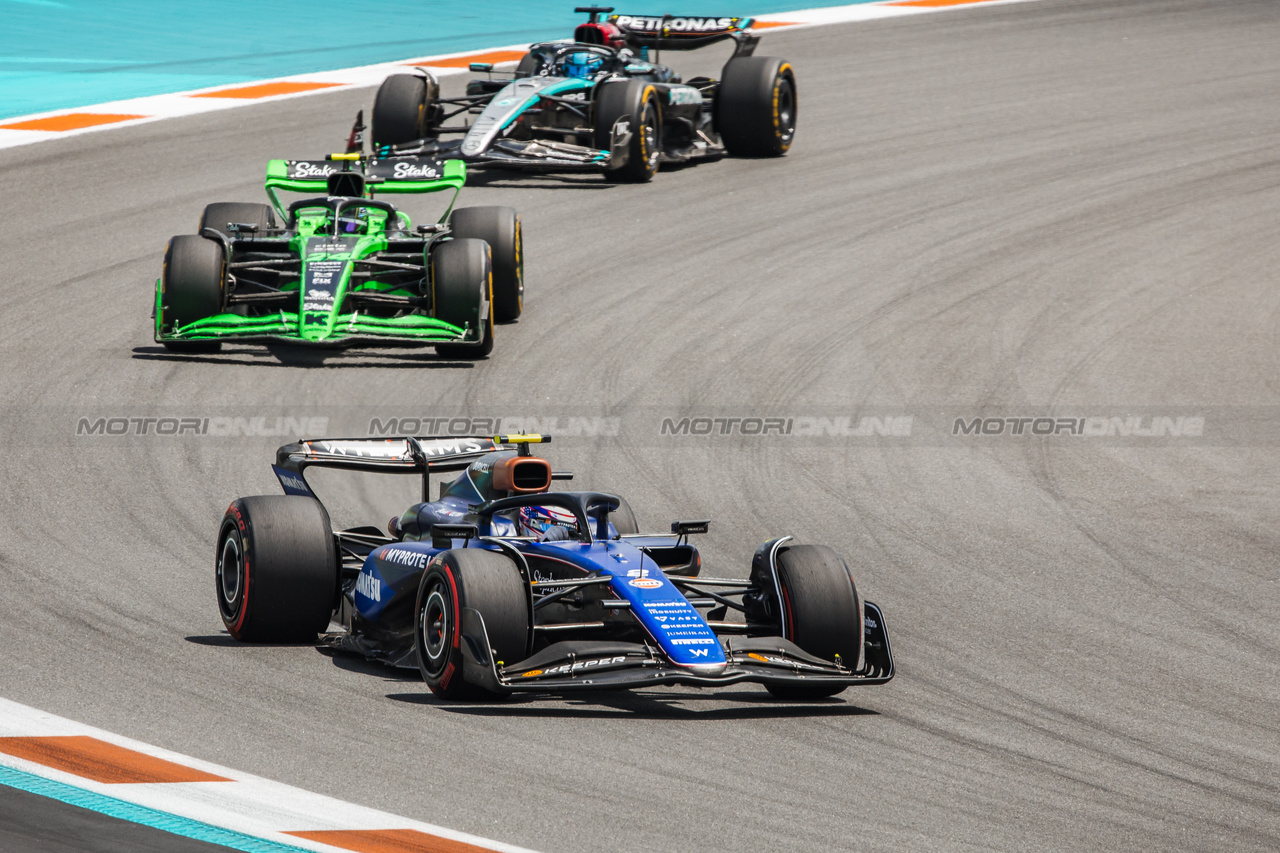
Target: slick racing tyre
x: 468, y: 578
x: 462, y: 293
x: 623, y: 519
x: 528, y: 66
x: 820, y: 613
x: 756, y: 106
x: 639, y: 100
x: 276, y: 569
x: 500, y: 228
x: 404, y: 110
x: 222, y: 213
x: 192, y: 287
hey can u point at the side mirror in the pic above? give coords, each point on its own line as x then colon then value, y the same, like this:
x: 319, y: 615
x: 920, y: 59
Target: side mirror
x: 684, y: 528
x: 482, y: 67
x: 442, y: 535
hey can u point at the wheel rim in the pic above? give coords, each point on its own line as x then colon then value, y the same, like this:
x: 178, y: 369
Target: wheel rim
x: 650, y: 132
x: 519, y: 266
x: 230, y: 575
x: 785, y: 111
x: 435, y: 629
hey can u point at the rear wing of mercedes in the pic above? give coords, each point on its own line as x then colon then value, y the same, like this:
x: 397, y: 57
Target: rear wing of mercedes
x: 685, y: 32
x: 355, y: 176
x: 422, y: 455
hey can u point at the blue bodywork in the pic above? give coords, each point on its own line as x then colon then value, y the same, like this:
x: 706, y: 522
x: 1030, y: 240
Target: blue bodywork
x: 672, y: 623
x: 606, y: 605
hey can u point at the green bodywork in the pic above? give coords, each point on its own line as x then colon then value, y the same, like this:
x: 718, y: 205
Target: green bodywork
x: 313, y: 242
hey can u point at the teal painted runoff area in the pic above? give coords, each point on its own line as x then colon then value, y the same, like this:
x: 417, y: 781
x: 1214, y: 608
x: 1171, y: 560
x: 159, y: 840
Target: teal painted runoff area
x: 60, y: 54
x: 141, y: 814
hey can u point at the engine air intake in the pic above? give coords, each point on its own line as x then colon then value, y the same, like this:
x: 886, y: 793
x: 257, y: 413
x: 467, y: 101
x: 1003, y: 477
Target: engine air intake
x: 522, y: 475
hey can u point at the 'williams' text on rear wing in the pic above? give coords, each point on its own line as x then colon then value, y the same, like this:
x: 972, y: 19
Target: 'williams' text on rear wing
x: 408, y: 455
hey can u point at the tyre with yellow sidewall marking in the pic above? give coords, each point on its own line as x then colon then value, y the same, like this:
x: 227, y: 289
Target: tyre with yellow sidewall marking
x: 756, y: 106
x: 500, y: 228
x: 462, y: 293
x: 639, y: 100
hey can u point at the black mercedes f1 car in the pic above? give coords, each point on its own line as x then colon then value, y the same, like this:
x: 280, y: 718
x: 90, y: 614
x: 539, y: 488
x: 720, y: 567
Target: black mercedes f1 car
x: 600, y: 101
x: 502, y: 586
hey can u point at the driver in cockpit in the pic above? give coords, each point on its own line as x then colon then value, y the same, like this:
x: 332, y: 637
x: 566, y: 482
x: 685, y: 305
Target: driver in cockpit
x: 547, y: 523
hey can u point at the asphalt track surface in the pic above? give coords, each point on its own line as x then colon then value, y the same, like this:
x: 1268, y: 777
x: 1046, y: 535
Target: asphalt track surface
x: 1063, y: 204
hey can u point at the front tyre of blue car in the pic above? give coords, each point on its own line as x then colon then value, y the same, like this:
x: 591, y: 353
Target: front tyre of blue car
x: 456, y: 580
x: 820, y: 612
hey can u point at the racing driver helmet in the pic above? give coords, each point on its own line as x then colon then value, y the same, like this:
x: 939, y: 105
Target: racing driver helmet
x: 582, y: 63
x: 353, y: 219
x: 547, y: 523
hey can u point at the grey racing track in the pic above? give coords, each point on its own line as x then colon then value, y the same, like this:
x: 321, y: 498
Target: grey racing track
x: 1068, y: 207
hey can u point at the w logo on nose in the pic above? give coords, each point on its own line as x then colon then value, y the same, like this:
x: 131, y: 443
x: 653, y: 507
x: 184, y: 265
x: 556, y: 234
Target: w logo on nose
x: 698, y: 653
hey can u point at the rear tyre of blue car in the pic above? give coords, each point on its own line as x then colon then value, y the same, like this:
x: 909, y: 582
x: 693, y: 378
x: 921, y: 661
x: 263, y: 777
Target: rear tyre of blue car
x: 462, y: 293
x: 192, y: 287
x: 756, y: 106
x: 623, y: 519
x: 481, y: 580
x: 820, y: 613
x: 276, y: 569
x: 500, y: 228
x: 639, y: 100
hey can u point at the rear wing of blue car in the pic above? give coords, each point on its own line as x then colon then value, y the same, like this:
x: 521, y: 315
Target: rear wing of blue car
x: 422, y: 455
x: 685, y: 32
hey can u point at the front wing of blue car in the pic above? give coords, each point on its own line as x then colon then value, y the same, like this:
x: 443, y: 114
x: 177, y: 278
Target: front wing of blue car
x: 571, y: 666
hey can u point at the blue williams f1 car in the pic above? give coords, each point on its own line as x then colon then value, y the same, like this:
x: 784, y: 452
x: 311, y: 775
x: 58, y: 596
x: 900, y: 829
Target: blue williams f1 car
x: 598, y: 102
x: 502, y: 586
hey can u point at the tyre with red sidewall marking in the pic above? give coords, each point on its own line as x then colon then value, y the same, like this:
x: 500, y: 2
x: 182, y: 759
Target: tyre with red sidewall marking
x: 468, y: 578
x: 276, y: 569
x: 821, y: 613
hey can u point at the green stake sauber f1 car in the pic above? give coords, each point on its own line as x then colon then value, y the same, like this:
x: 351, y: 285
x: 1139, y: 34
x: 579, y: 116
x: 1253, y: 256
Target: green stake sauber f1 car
x: 343, y: 267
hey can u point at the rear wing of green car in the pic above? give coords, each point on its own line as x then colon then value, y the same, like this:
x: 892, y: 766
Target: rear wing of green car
x: 356, y: 176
